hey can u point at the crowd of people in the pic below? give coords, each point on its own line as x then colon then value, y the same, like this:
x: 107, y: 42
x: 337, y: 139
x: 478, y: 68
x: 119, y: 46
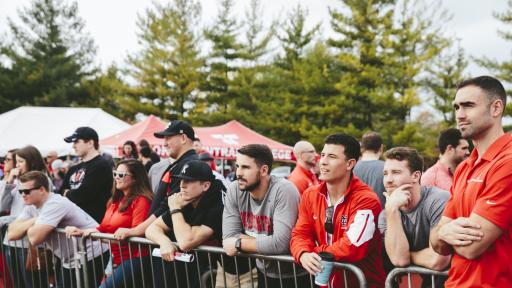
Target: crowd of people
x: 375, y: 208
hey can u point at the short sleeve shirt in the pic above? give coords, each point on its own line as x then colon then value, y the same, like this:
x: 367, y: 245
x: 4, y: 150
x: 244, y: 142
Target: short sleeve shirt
x: 438, y: 175
x: 208, y: 212
x: 59, y: 212
x: 484, y: 187
x: 417, y: 223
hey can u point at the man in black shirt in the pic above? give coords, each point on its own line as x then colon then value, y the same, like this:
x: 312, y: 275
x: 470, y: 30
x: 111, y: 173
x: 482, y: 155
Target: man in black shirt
x: 178, y: 140
x: 89, y: 183
x: 194, y: 218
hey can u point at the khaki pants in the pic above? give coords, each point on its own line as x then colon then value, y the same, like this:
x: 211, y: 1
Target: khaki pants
x: 232, y: 280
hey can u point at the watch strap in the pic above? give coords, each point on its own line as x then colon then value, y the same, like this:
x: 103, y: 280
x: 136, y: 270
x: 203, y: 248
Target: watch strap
x: 174, y: 211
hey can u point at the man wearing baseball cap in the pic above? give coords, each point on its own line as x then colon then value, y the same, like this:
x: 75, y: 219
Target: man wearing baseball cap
x: 194, y: 218
x: 89, y: 183
x: 178, y: 140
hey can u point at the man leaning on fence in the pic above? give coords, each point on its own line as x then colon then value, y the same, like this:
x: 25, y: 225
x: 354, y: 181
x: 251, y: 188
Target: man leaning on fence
x: 339, y: 217
x: 411, y: 211
x: 476, y: 225
x: 259, y: 213
x: 194, y: 218
x: 43, y: 213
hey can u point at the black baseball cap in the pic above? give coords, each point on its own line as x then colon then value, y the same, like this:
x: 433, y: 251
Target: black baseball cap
x: 196, y: 170
x: 205, y: 156
x: 177, y: 127
x: 85, y: 133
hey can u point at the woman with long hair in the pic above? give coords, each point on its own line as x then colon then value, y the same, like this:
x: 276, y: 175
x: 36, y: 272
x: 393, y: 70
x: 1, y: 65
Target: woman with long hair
x: 130, y: 150
x: 27, y: 159
x: 127, y: 208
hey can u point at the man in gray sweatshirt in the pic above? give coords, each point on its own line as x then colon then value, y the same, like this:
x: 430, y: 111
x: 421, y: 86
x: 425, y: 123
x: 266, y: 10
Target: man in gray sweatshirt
x: 259, y: 214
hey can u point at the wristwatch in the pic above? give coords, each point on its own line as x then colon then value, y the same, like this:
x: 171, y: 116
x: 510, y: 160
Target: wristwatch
x: 238, y: 244
x: 174, y: 211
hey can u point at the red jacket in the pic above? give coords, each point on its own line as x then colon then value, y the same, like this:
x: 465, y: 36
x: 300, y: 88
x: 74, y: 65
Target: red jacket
x: 356, y: 238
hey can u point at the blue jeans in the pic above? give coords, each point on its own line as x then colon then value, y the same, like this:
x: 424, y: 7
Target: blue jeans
x: 128, y: 273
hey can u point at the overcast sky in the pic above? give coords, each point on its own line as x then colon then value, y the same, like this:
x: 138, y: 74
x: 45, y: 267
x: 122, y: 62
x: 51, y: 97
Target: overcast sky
x: 111, y: 23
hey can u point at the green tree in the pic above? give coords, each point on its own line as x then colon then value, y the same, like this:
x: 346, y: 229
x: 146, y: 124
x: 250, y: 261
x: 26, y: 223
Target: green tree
x: 294, y: 37
x: 108, y: 91
x: 224, y: 61
x: 502, y: 69
x: 48, y: 55
x: 167, y: 71
x: 382, y: 49
x: 445, y: 73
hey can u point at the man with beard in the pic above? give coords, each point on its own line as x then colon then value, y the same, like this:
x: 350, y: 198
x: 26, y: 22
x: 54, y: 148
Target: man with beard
x: 477, y: 222
x: 259, y: 213
x: 410, y: 212
x: 178, y: 138
x: 302, y: 176
x: 454, y: 149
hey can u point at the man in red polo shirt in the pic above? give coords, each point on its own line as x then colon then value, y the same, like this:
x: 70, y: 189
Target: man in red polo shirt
x: 477, y: 222
x: 339, y: 216
x: 302, y: 176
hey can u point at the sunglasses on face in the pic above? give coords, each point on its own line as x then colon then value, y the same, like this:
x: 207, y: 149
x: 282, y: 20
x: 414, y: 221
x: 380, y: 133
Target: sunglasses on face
x: 120, y: 175
x: 27, y: 191
x: 329, y: 214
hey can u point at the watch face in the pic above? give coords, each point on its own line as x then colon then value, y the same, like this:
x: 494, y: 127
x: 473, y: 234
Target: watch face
x: 238, y: 244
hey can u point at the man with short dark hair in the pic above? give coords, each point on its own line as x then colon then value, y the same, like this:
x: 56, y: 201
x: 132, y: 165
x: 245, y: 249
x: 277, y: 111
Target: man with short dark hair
x: 194, y: 218
x: 259, y: 214
x: 42, y: 214
x: 477, y: 222
x: 178, y: 137
x: 411, y: 211
x: 454, y: 149
x: 302, y: 175
x: 339, y: 216
x: 369, y: 167
x: 89, y: 183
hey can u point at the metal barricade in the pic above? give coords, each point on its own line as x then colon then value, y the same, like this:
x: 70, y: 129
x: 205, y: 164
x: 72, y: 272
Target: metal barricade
x: 82, y: 262
x: 396, y: 272
x: 207, y: 263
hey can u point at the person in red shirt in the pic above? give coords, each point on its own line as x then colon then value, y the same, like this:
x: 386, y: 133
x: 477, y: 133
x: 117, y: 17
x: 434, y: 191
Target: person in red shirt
x: 128, y: 207
x: 454, y: 149
x: 340, y: 216
x: 302, y: 176
x: 477, y: 222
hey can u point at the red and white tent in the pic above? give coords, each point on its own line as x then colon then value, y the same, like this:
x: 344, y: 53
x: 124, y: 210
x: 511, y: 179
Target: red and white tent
x: 220, y: 141
x: 139, y: 131
x: 223, y: 141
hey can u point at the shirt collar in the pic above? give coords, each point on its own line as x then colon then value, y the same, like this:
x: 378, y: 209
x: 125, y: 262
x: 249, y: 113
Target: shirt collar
x: 496, y: 147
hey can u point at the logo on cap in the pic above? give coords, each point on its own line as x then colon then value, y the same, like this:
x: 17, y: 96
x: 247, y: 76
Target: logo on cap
x: 184, y: 170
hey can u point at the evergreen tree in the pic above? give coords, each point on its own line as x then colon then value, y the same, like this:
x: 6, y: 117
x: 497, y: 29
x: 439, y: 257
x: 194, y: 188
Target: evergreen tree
x: 446, y: 72
x: 167, y: 70
x: 294, y: 37
x: 48, y: 55
x: 382, y: 49
x: 503, y: 69
x: 223, y: 62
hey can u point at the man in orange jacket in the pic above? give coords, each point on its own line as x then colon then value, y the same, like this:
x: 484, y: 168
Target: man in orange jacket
x: 340, y: 216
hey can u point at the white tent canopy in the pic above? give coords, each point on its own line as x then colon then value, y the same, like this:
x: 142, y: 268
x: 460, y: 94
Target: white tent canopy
x: 46, y: 127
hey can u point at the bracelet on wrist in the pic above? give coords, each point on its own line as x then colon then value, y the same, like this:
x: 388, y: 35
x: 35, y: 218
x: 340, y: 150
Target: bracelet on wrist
x: 174, y: 211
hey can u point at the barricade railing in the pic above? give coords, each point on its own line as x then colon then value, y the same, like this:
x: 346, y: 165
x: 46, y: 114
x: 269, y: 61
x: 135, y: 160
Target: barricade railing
x: 436, y: 277
x: 29, y: 266
x: 209, y: 266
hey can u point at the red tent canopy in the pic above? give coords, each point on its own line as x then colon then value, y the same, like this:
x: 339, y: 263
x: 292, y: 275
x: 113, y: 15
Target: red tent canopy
x: 139, y: 131
x: 220, y: 141
x: 223, y: 141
